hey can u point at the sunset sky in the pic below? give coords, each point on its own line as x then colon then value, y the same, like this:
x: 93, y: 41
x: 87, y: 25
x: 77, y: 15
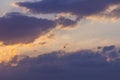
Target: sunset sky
x: 60, y: 29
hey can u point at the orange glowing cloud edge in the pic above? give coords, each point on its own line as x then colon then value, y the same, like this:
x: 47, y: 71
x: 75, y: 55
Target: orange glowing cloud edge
x: 7, y: 52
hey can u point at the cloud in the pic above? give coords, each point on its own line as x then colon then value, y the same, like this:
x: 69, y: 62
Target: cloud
x: 66, y: 23
x: 100, y: 10
x: 111, y: 53
x: 84, y: 64
x: 112, y: 13
x: 19, y: 28
x: 75, y: 7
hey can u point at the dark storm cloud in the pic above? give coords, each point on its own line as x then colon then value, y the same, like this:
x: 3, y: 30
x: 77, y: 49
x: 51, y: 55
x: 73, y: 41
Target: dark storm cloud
x: 81, y: 65
x: 18, y: 28
x: 75, y: 7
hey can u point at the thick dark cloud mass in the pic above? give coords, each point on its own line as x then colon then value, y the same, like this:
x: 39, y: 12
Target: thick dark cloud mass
x: 18, y: 28
x: 81, y: 65
x: 76, y: 7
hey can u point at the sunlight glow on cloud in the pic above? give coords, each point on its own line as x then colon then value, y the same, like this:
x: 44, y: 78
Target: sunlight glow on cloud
x: 7, y: 54
x: 60, y: 40
x: 109, y: 14
x: 32, y: 33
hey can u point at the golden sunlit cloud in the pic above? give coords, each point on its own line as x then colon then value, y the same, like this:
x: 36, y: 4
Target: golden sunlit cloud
x: 7, y: 54
x: 17, y: 6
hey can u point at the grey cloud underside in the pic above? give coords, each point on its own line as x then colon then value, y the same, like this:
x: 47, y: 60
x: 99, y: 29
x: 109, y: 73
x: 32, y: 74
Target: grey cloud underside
x: 75, y: 7
x: 18, y: 28
x: 81, y: 65
x: 65, y: 22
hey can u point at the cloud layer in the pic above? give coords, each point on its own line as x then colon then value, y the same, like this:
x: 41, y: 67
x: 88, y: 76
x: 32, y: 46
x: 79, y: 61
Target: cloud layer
x: 84, y: 65
x: 75, y: 7
x: 19, y: 28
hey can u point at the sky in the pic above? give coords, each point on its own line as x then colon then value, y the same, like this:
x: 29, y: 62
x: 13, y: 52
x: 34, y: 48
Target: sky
x: 59, y: 37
